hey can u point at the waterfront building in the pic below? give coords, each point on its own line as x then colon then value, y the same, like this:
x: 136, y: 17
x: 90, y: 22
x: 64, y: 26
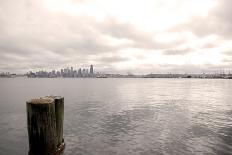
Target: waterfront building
x: 71, y: 72
x: 91, y: 69
x: 62, y: 72
x: 75, y: 74
x: 79, y: 74
x: 58, y: 74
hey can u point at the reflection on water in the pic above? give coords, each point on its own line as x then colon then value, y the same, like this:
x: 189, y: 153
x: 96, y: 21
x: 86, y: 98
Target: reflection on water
x: 126, y: 116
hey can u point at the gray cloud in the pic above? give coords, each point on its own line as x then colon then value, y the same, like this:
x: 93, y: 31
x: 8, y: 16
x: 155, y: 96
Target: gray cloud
x: 35, y: 38
x: 218, y: 21
x: 178, y: 51
x: 32, y: 34
x: 227, y: 53
x: 29, y: 39
x: 227, y: 60
x: 113, y: 59
x: 209, y: 45
x: 139, y: 38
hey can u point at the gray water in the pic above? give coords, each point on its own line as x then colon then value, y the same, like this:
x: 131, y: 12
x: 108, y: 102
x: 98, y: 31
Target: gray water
x: 125, y: 116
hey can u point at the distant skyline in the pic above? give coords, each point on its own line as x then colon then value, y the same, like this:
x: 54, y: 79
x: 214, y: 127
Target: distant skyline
x: 117, y: 36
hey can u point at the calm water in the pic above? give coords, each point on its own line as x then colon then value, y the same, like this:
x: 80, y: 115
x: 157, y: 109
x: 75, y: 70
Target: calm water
x: 125, y: 116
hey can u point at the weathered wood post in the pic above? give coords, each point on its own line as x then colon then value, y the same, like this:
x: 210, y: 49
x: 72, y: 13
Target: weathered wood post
x: 59, y: 107
x: 45, y: 125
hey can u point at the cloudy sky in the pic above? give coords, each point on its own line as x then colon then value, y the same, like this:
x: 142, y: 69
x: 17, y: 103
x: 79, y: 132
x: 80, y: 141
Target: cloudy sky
x: 119, y: 36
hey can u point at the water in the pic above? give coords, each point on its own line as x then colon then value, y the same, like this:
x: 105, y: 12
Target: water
x: 125, y: 116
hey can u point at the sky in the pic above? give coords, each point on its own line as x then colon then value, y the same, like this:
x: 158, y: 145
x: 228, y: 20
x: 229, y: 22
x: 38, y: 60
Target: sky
x: 116, y: 36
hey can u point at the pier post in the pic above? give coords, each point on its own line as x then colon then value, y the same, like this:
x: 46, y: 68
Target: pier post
x: 45, y: 125
x: 59, y: 108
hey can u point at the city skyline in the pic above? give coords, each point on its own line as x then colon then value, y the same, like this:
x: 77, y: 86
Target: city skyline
x: 90, y: 70
x: 121, y: 36
x: 64, y: 72
x: 72, y: 72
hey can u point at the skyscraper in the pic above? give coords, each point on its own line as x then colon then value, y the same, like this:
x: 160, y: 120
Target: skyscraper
x: 72, y: 73
x: 79, y: 74
x: 91, y: 69
x: 62, y: 72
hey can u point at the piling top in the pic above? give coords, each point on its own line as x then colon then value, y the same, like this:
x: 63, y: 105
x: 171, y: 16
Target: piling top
x: 41, y: 101
x: 53, y: 97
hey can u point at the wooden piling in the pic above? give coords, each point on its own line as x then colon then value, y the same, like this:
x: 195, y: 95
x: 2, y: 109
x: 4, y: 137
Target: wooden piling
x: 45, y: 125
x: 59, y: 108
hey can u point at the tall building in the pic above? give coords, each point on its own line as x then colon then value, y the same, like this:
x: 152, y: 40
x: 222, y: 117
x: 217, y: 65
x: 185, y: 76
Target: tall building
x: 71, y: 70
x: 72, y: 73
x: 66, y: 72
x: 62, y: 72
x: 79, y: 74
x: 91, y: 69
x: 53, y: 73
x: 75, y: 73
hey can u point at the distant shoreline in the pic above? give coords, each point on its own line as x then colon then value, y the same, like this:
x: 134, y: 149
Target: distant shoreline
x: 164, y: 76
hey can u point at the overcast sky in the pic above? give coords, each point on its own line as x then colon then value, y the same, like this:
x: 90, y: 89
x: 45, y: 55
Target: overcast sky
x: 119, y: 36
